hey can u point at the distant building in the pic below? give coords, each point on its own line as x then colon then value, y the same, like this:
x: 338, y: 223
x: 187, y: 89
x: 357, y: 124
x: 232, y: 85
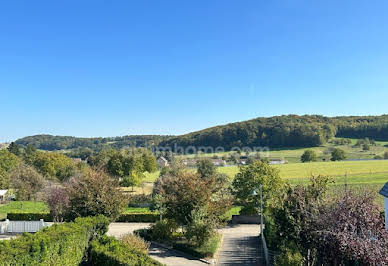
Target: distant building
x: 189, y: 162
x: 3, y: 195
x: 219, y: 162
x: 384, y: 193
x: 277, y: 161
x: 162, y: 162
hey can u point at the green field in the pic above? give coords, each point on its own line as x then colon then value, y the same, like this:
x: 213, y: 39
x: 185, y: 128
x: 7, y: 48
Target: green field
x: 305, y: 170
x: 292, y: 155
x: 24, y: 207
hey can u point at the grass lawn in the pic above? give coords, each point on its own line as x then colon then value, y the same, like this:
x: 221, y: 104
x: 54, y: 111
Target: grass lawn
x: 137, y: 210
x: 235, y: 210
x: 207, y: 250
x: 305, y: 170
x: 151, y: 177
x: 24, y: 207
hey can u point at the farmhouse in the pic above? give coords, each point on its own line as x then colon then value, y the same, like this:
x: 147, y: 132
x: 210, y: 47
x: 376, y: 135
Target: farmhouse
x: 162, y: 162
x: 219, y: 162
x: 384, y: 193
x: 3, y: 195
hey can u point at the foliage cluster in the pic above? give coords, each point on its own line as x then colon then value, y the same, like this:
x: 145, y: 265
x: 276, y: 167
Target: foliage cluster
x: 110, y: 251
x: 63, y: 244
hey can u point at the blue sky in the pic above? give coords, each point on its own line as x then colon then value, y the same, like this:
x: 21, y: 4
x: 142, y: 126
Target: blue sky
x: 108, y: 68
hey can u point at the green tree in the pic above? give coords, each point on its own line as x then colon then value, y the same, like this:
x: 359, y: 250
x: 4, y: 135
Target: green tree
x: 206, y: 168
x: 95, y: 193
x: 309, y: 156
x: 249, y: 179
x: 338, y: 155
x: 187, y: 191
x: 296, y: 216
x: 14, y: 148
x: 54, y: 165
x: 29, y: 154
x: 8, y: 162
x: 27, y: 182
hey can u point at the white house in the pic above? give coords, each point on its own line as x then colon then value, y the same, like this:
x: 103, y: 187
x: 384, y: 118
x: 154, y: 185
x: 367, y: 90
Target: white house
x: 384, y: 193
x: 3, y: 195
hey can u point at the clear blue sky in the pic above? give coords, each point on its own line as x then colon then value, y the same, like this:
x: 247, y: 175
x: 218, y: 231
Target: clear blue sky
x: 108, y: 68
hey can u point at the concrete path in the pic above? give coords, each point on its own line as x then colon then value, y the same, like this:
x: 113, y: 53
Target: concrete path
x: 173, y: 257
x: 119, y: 229
x: 240, y: 245
x: 161, y: 254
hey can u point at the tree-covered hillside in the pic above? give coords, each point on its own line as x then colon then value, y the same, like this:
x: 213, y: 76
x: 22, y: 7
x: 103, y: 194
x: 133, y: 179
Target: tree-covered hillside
x: 51, y: 143
x: 274, y: 132
x: 285, y: 131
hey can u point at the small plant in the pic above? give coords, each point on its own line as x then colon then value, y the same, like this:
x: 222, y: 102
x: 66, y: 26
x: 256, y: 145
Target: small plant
x: 135, y: 242
x: 163, y: 230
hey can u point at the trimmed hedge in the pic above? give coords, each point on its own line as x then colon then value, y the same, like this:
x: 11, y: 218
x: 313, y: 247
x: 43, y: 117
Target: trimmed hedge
x: 47, y: 217
x: 124, y: 218
x: 60, y: 244
x: 138, y: 218
x: 111, y: 252
x: 3, y: 216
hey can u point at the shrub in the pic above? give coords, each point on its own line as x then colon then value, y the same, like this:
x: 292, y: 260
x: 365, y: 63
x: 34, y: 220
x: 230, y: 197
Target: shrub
x: 109, y: 251
x: 139, y: 200
x: 207, y: 250
x: 199, y: 233
x: 47, y: 217
x: 3, y: 216
x: 289, y: 257
x: 309, y: 156
x: 63, y: 244
x: 95, y: 193
x: 138, y: 218
x: 135, y: 242
x: 200, y: 229
x: 163, y: 230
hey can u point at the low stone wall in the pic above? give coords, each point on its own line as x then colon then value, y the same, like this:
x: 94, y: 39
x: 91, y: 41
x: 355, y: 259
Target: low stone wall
x: 245, y: 219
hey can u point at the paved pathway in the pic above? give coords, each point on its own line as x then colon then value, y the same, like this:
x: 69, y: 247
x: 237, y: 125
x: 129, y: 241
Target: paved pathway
x: 240, y: 245
x: 173, y: 257
x: 119, y: 229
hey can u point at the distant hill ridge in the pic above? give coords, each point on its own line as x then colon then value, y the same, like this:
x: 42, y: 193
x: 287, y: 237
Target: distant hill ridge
x: 274, y: 132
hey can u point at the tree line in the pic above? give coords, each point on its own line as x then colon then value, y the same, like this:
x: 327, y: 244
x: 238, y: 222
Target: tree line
x: 285, y: 131
x: 52, y: 143
x: 275, y: 132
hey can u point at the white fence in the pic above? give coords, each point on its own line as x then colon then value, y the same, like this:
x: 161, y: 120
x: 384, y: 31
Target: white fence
x: 21, y: 226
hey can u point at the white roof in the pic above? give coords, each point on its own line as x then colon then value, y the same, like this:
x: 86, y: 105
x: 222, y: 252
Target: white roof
x: 3, y: 192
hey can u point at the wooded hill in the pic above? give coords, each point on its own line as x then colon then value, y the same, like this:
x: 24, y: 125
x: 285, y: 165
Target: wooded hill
x: 51, y: 143
x: 285, y: 131
x: 274, y: 132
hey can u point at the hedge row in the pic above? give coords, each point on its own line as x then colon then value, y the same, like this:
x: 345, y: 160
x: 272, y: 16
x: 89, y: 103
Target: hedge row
x: 124, y: 218
x: 63, y: 244
x: 138, y: 218
x: 3, y: 216
x: 29, y: 217
x: 109, y: 251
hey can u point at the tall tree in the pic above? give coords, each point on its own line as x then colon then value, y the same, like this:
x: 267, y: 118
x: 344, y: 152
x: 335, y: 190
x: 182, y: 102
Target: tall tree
x: 206, y: 168
x: 27, y: 182
x: 14, y: 148
x: 338, y: 155
x: 249, y: 180
x: 95, y: 193
x: 309, y: 156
